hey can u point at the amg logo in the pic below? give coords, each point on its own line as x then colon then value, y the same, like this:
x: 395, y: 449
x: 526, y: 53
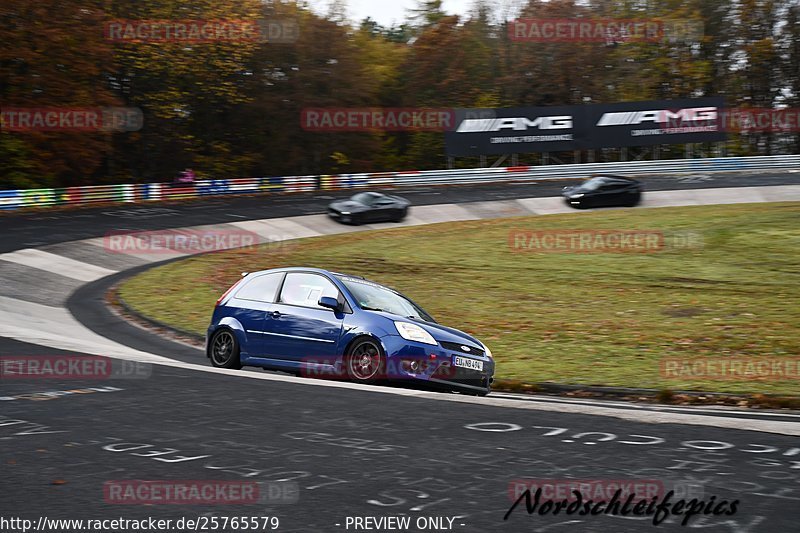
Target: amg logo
x: 476, y: 125
x: 658, y: 116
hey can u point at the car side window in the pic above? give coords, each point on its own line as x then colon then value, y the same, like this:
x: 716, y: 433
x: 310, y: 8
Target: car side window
x: 595, y: 184
x: 262, y: 288
x: 306, y: 289
x: 613, y: 185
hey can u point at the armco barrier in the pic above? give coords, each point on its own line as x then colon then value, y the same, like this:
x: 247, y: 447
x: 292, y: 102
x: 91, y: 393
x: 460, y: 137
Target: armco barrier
x: 19, y: 199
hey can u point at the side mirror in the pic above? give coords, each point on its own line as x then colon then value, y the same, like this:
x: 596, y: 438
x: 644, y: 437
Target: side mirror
x: 329, y: 302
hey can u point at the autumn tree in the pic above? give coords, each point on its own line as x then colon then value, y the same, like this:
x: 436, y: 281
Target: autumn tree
x: 53, y: 56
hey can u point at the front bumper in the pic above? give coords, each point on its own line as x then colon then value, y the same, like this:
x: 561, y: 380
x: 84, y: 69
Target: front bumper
x: 436, y: 365
x: 340, y: 217
x: 573, y: 202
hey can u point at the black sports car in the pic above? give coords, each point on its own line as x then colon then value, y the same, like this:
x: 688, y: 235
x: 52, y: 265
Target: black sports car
x: 604, y: 191
x: 367, y: 207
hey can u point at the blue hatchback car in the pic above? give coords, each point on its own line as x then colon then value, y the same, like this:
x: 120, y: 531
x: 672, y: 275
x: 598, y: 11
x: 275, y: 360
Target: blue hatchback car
x: 317, y: 323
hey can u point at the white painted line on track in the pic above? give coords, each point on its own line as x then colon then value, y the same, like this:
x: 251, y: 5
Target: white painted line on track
x: 55, y: 327
x: 289, y: 228
x: 57, y: 264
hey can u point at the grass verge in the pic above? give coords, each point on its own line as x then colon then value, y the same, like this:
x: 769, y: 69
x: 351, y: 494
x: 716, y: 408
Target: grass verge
x: 591, y: 319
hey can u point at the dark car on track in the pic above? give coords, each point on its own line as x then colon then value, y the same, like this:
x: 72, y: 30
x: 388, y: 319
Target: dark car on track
x: 366, y: 207
x: 604, y: 191
x: 322, y: 324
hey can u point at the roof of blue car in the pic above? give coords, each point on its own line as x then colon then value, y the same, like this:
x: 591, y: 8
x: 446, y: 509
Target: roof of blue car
x: 309, y: 269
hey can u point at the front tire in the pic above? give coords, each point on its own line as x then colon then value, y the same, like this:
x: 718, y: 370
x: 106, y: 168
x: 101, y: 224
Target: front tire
x: 365, y: 362
x: 225, y: 350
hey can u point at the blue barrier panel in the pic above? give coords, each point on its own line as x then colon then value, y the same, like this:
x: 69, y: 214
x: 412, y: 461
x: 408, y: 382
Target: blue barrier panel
x: 151, y: 191
x: 212, y: 187
x: 10, y: 199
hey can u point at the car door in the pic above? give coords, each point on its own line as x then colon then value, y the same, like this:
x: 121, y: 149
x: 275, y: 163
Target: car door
x: 252, y: 303
x: 619, y: 194
x: 299, y: 329
x: 383, y: 209
x: 608, y: 194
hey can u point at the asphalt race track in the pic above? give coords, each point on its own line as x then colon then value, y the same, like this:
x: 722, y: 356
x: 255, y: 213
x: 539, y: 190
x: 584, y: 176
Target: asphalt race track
x: 50, y: 227
x: 353, y: 453
x: 323, y: 453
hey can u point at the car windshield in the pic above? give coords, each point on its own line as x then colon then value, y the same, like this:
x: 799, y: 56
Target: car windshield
x: 592, y: 185
x: 366, y: 198
x: 373, y: 297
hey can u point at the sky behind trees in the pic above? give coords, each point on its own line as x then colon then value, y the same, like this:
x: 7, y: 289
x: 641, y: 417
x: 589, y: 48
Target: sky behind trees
x: 390, y: 12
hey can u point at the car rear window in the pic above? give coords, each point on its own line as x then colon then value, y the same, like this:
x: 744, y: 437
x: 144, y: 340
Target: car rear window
x: 261, y: 288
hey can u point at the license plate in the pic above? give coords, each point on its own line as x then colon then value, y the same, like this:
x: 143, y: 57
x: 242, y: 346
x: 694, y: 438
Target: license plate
x: 466, y: 362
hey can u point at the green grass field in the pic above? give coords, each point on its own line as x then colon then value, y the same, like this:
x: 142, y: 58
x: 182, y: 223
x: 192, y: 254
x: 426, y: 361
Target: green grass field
x: 591, y: 319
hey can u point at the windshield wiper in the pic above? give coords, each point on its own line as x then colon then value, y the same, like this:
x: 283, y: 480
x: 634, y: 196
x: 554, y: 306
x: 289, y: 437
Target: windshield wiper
x: 366, y: 308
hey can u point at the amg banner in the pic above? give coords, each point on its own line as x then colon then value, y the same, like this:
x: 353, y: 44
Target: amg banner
x: 692, y: 120
x: 566, y: 128
x: 513, y: 130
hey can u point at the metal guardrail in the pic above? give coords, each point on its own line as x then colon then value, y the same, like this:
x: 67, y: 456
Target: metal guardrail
x: 149, y: 192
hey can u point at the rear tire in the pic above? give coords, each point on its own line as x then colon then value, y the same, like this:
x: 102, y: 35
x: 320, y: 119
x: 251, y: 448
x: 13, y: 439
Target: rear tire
x: 224, y: 350
x: 633, y: 202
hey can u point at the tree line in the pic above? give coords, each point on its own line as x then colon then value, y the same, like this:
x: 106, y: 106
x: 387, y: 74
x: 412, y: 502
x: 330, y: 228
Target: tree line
x: 232, y: 108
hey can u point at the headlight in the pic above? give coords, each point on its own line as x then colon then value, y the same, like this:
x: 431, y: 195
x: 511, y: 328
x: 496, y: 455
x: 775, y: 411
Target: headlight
x: 412, y: 332
x: 581, y: 195
x: 345, y: 212
x: 487, y: 350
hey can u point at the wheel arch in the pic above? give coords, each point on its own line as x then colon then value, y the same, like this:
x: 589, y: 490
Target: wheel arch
x: 360, y: 336
x: 232, y: 325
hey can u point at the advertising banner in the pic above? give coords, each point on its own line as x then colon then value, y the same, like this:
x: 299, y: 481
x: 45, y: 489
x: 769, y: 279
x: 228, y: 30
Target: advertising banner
x: 567, y: 128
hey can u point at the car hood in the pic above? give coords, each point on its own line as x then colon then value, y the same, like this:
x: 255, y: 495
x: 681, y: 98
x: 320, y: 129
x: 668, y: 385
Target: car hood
x: 348, y: 205
x: 443, y: 333
x: 438, y: 331
x: 574, y: 189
